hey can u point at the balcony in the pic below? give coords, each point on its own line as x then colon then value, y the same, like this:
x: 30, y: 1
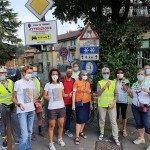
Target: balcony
x: 72, y: 48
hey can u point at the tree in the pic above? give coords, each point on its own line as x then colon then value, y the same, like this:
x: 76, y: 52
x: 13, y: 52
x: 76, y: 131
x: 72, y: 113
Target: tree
x: 8, y: 30
x: 119, y: 35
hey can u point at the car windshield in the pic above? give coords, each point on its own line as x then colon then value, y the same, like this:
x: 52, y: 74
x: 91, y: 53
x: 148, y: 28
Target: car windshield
x: 11, y: 71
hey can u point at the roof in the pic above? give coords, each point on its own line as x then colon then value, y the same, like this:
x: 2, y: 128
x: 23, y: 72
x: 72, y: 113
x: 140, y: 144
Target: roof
x: 69, y: 35
x: 30, y: 51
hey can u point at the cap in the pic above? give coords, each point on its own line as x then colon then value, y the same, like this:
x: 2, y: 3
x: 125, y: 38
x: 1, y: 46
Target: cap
x: 105, y: 69
x: 3, y: 70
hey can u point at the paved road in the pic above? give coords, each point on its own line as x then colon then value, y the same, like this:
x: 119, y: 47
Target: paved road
x: 91, y: 130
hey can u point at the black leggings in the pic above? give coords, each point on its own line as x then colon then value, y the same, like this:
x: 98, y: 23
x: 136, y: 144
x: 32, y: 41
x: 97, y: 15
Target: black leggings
x: 123, y: 110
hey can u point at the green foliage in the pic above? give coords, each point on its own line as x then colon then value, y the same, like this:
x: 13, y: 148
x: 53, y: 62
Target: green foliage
x: 118, y: 46
x: 71, y: 10
x: 8, y: 29
x: 119, y: 36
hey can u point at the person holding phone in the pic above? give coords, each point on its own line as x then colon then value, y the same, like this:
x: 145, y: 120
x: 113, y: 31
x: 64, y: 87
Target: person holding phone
x: 140, y: 94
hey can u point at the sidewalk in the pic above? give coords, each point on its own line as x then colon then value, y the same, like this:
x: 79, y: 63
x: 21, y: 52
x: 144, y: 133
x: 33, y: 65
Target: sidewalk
x: 91, y: 130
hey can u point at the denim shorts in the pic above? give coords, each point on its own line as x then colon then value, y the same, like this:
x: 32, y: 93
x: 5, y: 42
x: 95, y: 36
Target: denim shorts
x: 142, y: 119
x: 56, y: 113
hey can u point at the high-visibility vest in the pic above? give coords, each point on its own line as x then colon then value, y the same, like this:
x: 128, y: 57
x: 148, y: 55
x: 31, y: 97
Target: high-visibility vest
x: 37, y: 79
x: 107, y: 96
x: 6, y: 93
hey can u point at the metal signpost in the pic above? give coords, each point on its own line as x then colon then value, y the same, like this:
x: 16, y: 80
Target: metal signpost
x: 41, y: 33
x: 47, y: 32
x: 63, y: 52
x: 89, y: 49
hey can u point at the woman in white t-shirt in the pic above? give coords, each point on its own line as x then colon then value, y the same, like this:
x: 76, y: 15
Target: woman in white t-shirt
x: 24, y: 99
x: 54, y: 92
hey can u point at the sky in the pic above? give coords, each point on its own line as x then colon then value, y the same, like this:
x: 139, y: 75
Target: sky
x: 24, y: 15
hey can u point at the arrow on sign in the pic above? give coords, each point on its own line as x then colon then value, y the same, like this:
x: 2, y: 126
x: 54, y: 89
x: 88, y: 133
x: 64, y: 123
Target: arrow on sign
x: 82, y: 56
x: 96, y: 56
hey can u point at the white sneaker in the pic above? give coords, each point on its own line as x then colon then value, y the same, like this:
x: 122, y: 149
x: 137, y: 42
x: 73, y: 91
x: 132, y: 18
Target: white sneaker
x: 101, y: 136
x: 51, y: 146
x: 61, y: 142
x: 117, y: 142
x: 139, y: 140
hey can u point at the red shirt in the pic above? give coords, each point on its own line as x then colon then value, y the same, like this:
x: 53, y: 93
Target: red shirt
x: 68, y: 88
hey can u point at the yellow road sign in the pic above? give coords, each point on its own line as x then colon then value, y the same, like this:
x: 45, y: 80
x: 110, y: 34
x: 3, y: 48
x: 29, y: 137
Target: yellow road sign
x: 39, y: 7
x: 40, y: 37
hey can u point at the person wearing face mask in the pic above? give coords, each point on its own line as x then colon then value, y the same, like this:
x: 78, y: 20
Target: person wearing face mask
x: 6, y: 90
x: 54, y: 93
x: 122, y: 85
x: 38, y: 97
x: 140, y: 94
x: 107, y: 96
x: 81, y: 101
x: 76, y: 72
x: 68, y: 82
x: 23, y: 97
x: 147, y: 72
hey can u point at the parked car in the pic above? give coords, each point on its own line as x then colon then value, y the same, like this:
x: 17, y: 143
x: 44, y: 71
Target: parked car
x: 14, y: 74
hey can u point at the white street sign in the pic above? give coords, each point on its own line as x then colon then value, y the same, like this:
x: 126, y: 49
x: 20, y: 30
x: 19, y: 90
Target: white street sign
x: 89, y: 43
x: 88, y: 57
x: 37, y: 33
x: 39, y: 7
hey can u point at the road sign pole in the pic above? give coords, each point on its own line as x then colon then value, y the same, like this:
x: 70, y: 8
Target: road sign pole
x: 45, y: 67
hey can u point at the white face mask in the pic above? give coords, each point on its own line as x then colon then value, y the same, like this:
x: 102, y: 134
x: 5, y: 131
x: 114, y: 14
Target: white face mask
x: 120, y: 76
x: 28, y: 76
x: 84, y: 77
x: 55, y: 78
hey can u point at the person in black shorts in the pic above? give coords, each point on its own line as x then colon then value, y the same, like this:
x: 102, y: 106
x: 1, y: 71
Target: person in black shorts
x: 122, y: 102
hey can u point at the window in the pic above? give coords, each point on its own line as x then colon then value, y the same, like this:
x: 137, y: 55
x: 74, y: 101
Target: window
x: 72, y: 42
x: 145, y: 44
x: 64, y: 44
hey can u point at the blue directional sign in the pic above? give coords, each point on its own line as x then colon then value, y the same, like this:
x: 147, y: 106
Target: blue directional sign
x: 89, y: 50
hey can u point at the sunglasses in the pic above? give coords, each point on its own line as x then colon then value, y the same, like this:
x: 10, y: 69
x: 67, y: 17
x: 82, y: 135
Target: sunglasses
x: 105, y: 72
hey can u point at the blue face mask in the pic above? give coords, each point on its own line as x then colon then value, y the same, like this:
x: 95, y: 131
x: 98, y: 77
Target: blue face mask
x: 34, y: 74
x: 147, y: 71
x: 106, y: 76
x: 140, y: 77
x: 76, y: 69
x: 2, y: 78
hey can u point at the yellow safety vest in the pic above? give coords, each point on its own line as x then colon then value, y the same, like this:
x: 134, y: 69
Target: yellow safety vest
x: 6, y: 95
x: 37, y: 79
x: 107, y: 96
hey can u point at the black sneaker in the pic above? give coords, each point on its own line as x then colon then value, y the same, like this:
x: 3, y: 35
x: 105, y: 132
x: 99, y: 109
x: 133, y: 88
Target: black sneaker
x: 4, y: 145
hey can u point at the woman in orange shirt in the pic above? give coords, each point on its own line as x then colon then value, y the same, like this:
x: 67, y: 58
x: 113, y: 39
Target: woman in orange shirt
x: 81, y: 104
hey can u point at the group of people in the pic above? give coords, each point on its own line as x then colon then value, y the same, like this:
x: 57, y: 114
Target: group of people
x: 113, y: 96
x: 73, y: 93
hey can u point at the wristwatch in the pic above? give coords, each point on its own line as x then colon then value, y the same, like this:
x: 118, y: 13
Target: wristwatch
x: 19, y: 105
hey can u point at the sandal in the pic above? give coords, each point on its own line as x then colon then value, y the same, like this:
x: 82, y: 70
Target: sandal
x: 124, y: 133
x: 83, y: 135
x: 76, y: 141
